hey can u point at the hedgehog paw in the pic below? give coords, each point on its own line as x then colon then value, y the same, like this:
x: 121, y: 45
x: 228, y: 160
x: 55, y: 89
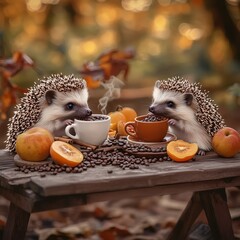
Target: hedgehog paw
x: 172, y: 122
x: 68, y: 122
x: 201, y: 152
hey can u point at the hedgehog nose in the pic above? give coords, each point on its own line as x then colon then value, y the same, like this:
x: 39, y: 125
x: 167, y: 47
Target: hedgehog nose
x: 89, y: 112
x: 151, y: 109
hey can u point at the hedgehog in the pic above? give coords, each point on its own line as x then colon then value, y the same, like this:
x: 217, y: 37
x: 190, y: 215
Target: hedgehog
x: 52, y: 103
x: 193, y: 115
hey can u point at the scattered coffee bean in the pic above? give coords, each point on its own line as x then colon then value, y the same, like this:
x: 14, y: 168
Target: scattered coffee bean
x: 94, y: 118
x: 153, y: 118
x: 124, y: 157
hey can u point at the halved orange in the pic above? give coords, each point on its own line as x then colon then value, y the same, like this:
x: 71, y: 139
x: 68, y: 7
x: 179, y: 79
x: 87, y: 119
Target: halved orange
x: 181, y: 151
x: 64, y: 153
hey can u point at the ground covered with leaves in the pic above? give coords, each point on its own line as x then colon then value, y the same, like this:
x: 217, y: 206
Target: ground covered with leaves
x: 149, y: 218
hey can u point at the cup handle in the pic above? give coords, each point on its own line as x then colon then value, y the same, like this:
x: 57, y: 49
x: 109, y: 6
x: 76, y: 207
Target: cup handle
x: 67, y: 131
x: 131, y: 133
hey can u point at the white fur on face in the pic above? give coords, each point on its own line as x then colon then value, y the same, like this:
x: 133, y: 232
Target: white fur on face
x: 79, y: 97
x: 56, y: 109
x: 182, y: 111
x: 160, y: 96
x: 187, y: 127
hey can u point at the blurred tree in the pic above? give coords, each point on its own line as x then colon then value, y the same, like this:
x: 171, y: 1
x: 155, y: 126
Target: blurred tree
x: 223, y: 20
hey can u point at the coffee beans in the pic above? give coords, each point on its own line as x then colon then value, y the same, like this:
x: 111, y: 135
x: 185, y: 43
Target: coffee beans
x: 153, y: 118
x: 114, y: 152
x: 94, y: 118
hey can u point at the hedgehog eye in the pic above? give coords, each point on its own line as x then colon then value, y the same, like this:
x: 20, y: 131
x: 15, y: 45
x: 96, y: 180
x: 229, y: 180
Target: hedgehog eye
x: 170, y: 104
x: 70, y: 106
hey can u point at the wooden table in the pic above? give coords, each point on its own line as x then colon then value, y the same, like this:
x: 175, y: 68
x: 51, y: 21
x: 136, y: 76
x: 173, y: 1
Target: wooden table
x: 207, y: 178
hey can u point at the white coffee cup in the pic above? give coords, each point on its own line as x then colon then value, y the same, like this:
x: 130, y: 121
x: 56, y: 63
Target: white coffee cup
x: 91, y: 132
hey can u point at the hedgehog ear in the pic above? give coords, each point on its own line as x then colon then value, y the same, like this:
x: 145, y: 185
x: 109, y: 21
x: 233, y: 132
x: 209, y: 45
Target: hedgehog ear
x: 188, y: 98
x: 50, y: 95
x: 157, y: 83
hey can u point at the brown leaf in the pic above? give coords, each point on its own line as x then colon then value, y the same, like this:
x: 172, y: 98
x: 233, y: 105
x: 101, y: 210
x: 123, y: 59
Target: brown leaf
x: 8, y: 68
x: 113, y: 232
x: 2, y: 221
x: 100, y: 213
x: 11, y: 66
x: 7, y: 99
x: 84, y: 229
x: 108, y: 64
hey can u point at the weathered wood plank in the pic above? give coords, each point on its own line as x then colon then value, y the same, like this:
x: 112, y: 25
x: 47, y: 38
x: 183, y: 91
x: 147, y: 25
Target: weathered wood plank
x: 21, y: 200
x: 187, y: 218
x: 215, y: 206
x: 6, y: 159
x: 17, y: 223
x: 97, y: 180
x: 96, y: 184
x: 160, y: 190
x: 32, y: 202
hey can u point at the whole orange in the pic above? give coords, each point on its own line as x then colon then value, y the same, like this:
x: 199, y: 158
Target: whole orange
x: 116, y: 117
x: 121, y: 128
x: 34, y: 144
x: 226, y: 142
x: 129, y: 113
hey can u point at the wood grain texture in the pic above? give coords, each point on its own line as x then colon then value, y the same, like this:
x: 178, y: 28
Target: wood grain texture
x: 32, y: 193
x: 163, y: 173
x: 97, y: 180
x: 187, y: 218
x: 215, y: 206
x: 17, y: 223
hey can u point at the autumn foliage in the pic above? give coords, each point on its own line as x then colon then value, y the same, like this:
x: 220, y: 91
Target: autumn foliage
x: 110, y: 63
x: 9, y: 68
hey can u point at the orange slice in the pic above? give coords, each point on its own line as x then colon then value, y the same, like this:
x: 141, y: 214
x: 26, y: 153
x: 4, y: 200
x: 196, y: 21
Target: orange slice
x: 64, y: 153
x: 181, y: 151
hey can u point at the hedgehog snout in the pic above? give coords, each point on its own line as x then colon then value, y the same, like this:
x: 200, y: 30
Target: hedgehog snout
x: 82, y: 112
x: 152, y: 109
x: 159, y: 109
x: 85, y: 112
x: 88, y: 112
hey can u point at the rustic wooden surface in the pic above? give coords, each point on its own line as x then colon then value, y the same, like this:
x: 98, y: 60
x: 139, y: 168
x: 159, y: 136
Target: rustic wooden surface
x: 160, y: 175
x: 32, y: 193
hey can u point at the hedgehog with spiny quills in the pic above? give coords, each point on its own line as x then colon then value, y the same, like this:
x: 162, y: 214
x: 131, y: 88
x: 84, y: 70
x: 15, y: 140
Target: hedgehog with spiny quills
x: 193, y: 115
x: 52, y: 103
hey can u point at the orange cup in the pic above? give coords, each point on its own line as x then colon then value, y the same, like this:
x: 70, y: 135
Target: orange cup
x: 147, y: 131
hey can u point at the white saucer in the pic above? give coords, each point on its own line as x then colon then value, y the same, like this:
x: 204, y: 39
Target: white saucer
x: 169, y: 137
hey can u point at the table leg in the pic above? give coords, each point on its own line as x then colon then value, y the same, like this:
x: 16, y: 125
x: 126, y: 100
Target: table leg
x: 187, y: 218
x: 214, y: 203
x: 17, y: 223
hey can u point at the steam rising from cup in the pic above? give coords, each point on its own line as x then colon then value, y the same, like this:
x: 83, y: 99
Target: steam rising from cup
x: 113, y: 91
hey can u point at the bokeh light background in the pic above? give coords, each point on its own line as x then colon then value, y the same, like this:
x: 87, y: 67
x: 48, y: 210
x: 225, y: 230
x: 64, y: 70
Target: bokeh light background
x: 171, y: 37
